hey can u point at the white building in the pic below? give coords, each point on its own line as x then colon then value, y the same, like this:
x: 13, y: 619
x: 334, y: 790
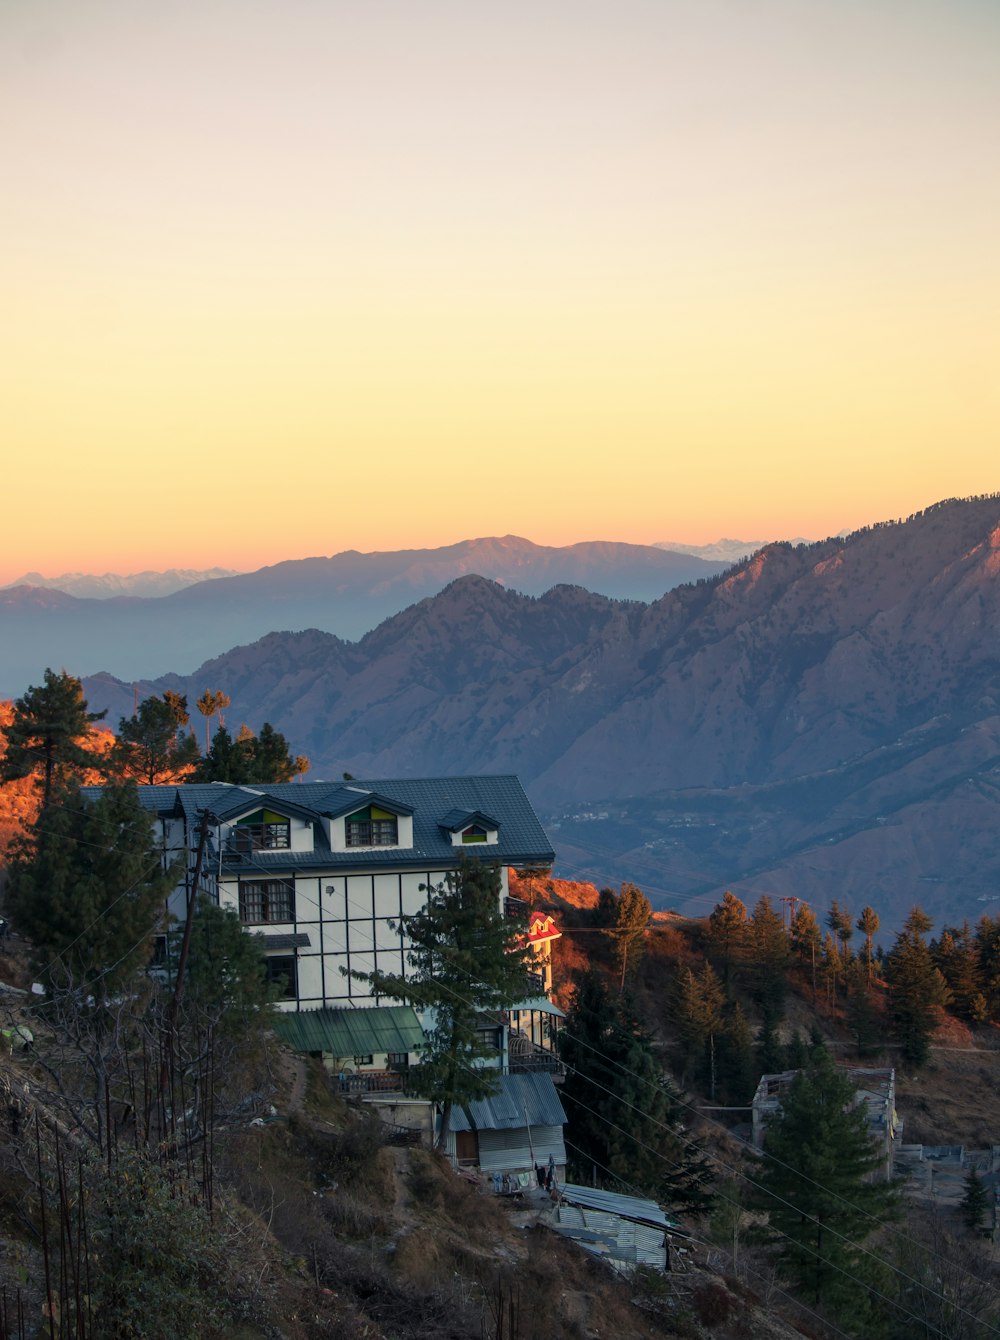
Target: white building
x: 321, y: 870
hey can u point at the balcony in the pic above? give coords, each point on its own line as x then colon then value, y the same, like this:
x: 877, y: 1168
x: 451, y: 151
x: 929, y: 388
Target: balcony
x: 538, y: 1062
x: 371, y: 1081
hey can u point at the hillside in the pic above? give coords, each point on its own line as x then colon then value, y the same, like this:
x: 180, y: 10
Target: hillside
x: 347, y: 594
x: 821, y: 720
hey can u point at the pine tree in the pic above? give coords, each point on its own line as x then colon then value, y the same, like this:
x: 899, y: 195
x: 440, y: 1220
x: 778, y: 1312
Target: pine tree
x: 839, y: 921
x: 45, y: 737
x: 868, y: 924
x: 152, y: 746
x: 975, y: 1201
x: 698, y: 1016
x: 250, y: 759
x: 632, y: 914
x: 864, y: 1018
x: 916, y: 988
x: 806, y: 940
x: 623, y: 1120
x: 736, y: 1072
x: 817, y: 1186
x: 956, y: 956
x: 728, y: 932
x: 988, y: 948
x: 88, y: 889
x: 465, y: 961
x: 770, y: 956
x: 209, y: 705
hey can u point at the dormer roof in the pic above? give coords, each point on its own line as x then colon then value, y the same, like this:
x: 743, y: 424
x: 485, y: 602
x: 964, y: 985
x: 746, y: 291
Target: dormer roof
x: 435, y: 803
x: 455, y: 821
x: 349, y: 799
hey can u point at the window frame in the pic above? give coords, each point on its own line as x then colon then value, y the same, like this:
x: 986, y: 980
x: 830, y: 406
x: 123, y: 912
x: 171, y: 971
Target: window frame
x: 290, y: 973
x: 262, y: 891
x: 370, y: 831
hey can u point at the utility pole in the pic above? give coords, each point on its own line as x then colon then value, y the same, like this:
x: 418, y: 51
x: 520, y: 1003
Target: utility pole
x: 166, y: 1061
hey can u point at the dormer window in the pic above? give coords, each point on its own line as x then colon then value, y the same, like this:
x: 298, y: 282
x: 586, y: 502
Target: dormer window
x: 372, y: 827
x: 466, y: 827
x: 262, y: 831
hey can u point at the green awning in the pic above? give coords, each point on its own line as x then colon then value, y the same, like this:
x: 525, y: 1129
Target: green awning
x: 362, y: 1032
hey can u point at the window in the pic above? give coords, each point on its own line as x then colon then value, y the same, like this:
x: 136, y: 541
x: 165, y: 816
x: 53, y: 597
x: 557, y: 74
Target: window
x: 283, y: 969
x: 372, y: 827
x: 263, y: 831
x: 266, y: 900
x: 364, y: 1060
x: 474, y: 833
x: 398, y: 1060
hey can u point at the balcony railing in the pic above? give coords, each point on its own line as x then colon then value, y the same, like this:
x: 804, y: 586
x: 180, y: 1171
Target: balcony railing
x: 372, y: 1081
x: 538, y: 1062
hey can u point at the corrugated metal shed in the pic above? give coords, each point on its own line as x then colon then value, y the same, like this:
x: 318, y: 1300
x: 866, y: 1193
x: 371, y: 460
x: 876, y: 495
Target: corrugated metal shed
x: 621, y: 1242
x: 382, y: 1028
x: 514, y: 1151
x: 517, y: 1095
x: 625, y: 1230
x: 628, y: 1207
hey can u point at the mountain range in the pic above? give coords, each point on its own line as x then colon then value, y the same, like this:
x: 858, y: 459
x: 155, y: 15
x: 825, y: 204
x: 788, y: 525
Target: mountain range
x: 102, y: 586
x: 821, y: 721
x: 348, y: 594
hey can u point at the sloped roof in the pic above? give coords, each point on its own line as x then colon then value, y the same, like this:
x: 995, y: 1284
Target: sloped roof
x: 637, y: 1209
x: 358, y: 1032
x: 520, y: 1099
x: 348, y: 799
x: 457, y: 819
x: 521, y: 838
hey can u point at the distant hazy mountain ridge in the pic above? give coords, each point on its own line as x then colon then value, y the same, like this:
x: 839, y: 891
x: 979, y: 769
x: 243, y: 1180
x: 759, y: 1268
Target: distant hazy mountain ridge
x: 108, y: 584
x: 722, y: 551
x: 818, y: 718
x: 348, y: 594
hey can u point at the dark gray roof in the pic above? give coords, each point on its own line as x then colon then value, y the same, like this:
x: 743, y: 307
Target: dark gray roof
x: 456, y: 819
x: 297, y: 940
x: 636, y: 1208
x: 521, y: 838
x: 521, y: 1098
x: 356, y: 796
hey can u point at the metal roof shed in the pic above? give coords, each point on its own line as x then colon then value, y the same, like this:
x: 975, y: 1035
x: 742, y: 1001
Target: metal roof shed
x: 374, y: 1031
x: 516, y: 1127
x: 626, y: 1231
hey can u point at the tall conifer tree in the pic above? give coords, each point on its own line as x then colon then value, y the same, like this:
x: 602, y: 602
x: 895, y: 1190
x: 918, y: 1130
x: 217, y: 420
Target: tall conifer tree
x: 46, y: 735
x: 623, y: 1114
x: 88, y: 889
x: 916, y: 988
x: 466, y: 959
x: 822, y: 1187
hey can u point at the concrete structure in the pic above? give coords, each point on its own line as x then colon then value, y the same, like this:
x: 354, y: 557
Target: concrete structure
x: 876, y: 1091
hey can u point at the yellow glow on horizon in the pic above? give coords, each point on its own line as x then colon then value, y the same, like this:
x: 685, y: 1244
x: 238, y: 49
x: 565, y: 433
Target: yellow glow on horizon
x: 391, y: 284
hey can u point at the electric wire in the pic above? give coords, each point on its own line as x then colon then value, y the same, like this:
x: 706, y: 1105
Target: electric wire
x: 316, y: 903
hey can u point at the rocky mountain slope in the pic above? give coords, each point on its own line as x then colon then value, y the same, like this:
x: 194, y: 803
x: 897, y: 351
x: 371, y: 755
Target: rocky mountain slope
x: 823, y: 720
x: 348, y: 594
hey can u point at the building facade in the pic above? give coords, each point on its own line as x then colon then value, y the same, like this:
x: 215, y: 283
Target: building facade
x: 324, y: 871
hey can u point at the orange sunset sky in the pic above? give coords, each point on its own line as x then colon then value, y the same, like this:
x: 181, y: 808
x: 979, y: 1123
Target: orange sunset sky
x: 287, y: 277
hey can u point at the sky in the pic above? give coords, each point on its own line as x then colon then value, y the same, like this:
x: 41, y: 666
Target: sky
x: 281, y: 278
